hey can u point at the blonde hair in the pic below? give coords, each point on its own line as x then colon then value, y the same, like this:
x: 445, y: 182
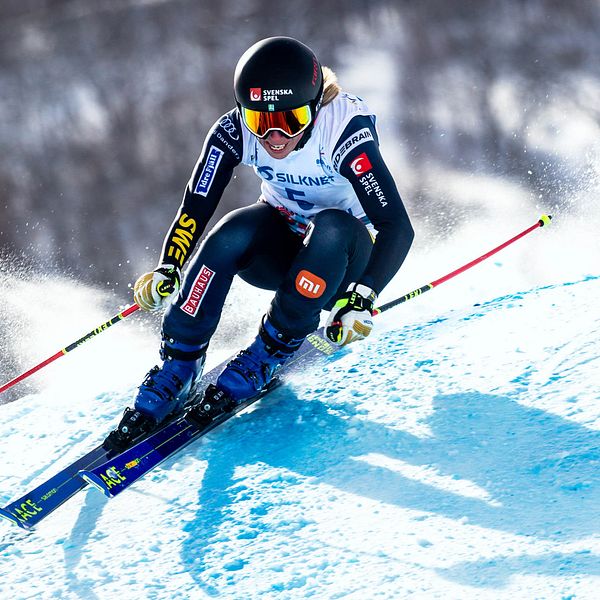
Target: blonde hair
x: 331, y: 87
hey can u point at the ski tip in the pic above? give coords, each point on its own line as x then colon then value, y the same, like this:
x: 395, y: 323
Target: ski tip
x: 10, y: 517
x: 545, y: 220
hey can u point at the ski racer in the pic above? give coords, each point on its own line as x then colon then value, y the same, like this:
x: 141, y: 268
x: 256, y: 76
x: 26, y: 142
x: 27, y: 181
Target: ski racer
x: 329, y: 230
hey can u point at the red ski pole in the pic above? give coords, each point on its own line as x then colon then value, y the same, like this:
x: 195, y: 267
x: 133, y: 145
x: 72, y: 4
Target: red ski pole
x: 119, y: 317
x: 544, y: 220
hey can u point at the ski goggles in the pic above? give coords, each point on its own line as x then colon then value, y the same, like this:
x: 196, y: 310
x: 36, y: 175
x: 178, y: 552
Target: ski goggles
x: 289, y: 122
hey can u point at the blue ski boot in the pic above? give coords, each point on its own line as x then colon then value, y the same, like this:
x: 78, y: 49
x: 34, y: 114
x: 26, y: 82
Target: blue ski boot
x: 164, y: 391
x: 166, y: 388
x: 253, y: 369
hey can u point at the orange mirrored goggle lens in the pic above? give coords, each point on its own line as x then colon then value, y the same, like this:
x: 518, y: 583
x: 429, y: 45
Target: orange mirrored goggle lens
x: 290, y: 122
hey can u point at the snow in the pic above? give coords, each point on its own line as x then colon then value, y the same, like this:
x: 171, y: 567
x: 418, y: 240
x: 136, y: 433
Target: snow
x: 453, y: 454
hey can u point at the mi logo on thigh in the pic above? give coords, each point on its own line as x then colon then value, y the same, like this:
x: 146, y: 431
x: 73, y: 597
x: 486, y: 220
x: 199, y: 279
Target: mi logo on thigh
x: 310, y: 285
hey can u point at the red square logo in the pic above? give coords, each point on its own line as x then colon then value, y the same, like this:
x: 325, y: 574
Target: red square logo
x: 361, y: 164
x: 255, y: 94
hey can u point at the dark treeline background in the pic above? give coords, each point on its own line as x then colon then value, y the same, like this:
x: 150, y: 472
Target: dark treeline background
x: 105, y: 104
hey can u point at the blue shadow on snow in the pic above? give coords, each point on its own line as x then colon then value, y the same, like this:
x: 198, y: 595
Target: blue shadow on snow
x: 540, y: 469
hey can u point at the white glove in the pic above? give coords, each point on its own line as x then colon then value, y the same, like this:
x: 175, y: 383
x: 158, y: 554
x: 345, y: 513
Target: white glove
x: 152, y: 290
x: 351, y: 318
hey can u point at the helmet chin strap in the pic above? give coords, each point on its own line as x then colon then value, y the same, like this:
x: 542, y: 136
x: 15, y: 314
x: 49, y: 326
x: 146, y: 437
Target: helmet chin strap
x: 307, y: 133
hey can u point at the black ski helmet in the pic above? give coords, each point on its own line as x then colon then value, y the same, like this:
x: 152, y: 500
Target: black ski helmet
x: 278, y: 73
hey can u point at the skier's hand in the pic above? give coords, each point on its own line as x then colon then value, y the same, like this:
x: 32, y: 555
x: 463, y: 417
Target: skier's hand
x: 351, y: 316
x: 152, y: 290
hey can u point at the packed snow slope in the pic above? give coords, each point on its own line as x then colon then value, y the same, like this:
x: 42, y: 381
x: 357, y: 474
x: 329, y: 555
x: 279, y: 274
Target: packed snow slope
x: 453, y: 454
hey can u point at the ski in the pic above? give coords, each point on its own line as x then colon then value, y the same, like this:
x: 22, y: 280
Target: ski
x: 38, y: 503
x: 34, y: 506
x: 118, y: 473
